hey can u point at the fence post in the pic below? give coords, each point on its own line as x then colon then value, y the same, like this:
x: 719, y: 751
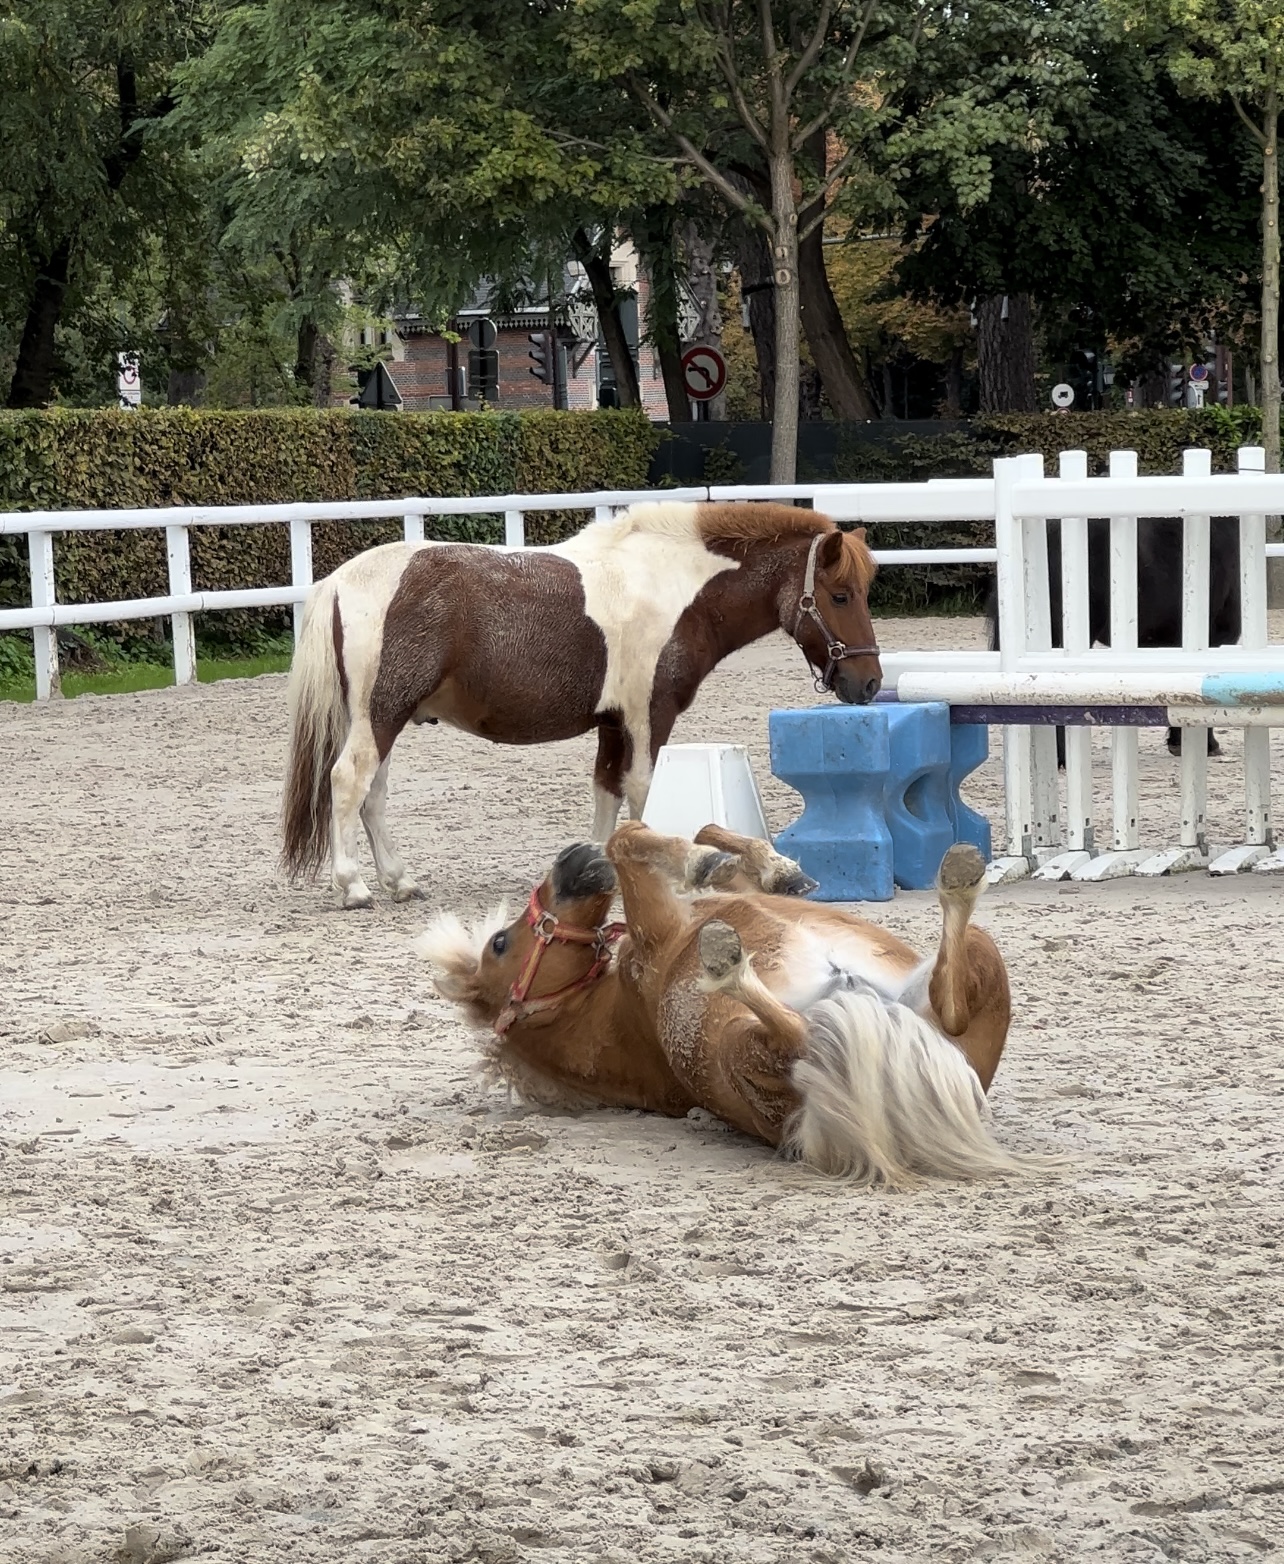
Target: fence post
x: 178, y: 548
x: 1195, y: 553
x: 44, y: 595
x: 1075, y: 638
x: 1018, y: 752
x: 514, y: 529
x: 1258, y: 836
x: 412, y: 527
x: 603, y: 512
x: 300, y: 567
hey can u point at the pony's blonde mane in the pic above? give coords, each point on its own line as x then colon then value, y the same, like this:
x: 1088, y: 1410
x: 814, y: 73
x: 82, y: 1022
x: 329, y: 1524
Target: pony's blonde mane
x: 453, y: 948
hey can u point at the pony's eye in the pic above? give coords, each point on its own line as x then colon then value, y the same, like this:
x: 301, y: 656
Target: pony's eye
x: 500, y: 943
x: 839, y: 598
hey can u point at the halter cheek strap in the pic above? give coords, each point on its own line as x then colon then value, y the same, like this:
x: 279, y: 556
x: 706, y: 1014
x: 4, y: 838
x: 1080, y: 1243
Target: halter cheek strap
x: 549, y: 931
x: 835, y: 650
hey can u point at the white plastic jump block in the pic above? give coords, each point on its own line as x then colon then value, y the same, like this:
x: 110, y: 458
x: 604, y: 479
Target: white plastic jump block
x: 704, y: 784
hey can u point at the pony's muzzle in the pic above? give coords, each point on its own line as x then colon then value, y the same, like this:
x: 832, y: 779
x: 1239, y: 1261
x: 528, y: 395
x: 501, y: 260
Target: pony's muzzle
x: 860, y: 686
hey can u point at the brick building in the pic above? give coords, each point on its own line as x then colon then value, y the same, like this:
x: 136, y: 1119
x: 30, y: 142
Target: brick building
x: 491, y: 362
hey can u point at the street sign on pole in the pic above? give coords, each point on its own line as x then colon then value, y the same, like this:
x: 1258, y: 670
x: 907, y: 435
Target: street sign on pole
x: 1062, y: 395
x: 129, y: 385
x: 704, y: 373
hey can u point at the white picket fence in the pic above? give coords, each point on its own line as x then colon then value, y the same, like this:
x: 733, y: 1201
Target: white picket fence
x: 1019, y: 499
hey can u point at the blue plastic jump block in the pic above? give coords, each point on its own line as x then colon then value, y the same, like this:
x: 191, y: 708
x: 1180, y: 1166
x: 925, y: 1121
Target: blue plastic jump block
x: 880, y: 790
x: 839, y: 758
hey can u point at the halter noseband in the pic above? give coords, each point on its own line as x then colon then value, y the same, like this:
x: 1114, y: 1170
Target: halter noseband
x: 548, y: 931
x: 835, y: 649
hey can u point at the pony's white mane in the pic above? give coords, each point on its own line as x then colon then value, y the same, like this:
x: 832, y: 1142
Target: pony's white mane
x: 656, y: 518
x: 451, y: 945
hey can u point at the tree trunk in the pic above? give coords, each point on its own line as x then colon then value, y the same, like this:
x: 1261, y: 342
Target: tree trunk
x: 1271, y: 319
x: 954, y: 385
x: 822, y: 321
x: 323, y: 372
x: 654, y: 236
x: 758, y: 291
x: 32, y: 383
x: 186, y: 388
x: 597, y: 267
x: 784, y: 254
x: 1005, y: 353
x: 305, y: 358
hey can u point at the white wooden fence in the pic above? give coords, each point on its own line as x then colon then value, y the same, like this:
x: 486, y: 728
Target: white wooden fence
x: 1019, y: 499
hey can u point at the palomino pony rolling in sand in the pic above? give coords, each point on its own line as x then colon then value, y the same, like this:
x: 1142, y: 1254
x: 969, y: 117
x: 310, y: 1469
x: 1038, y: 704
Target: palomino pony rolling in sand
x: 613, y: 629
x: 809, y: 1028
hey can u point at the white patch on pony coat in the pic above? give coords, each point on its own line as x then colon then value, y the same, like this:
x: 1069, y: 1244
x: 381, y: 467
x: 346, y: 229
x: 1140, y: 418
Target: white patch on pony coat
x: 640, y: 571
x: 814, y: 960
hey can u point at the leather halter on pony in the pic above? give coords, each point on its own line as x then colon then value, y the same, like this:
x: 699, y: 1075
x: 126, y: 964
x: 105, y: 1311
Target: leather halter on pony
x: 549, y: 931
x: 835, y: 649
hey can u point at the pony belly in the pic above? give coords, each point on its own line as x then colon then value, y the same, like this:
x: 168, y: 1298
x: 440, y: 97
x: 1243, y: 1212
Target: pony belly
x: 813, y: 965
x: 503, y: 721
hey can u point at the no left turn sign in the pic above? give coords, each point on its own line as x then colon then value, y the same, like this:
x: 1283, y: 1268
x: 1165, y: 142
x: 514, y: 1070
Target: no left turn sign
x: 704, y: 373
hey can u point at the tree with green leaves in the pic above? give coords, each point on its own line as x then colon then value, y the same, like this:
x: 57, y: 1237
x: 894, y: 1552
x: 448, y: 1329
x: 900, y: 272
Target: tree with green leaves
x: 1232, y: 51
x: 1130, y: 218
x: 83, y: 85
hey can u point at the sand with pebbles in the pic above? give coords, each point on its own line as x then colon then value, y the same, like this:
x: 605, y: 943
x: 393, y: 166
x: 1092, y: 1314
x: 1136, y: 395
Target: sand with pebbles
x: 280, y: 1279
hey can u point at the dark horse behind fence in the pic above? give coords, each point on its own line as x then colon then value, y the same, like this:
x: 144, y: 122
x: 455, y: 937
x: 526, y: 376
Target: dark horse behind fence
x: 1159, y: 593
x: 614, y: 629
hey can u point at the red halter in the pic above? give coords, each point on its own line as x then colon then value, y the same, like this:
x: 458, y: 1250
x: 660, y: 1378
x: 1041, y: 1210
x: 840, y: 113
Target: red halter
x: 549, y: 931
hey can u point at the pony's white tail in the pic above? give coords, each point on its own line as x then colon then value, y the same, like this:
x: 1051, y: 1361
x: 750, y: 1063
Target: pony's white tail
x: 318, y: 731
x: 886, y: 1099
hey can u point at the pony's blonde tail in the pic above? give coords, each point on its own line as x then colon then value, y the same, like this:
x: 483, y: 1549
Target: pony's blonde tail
x: 886, y: 1099
x: 318, y: 731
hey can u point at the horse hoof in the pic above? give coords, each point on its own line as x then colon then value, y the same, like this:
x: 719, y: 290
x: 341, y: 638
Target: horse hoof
x: 356, y: 898
x: 408, y: 891
x: 793, y: 882
x: 962, y: 868
x: 720, y: 949
x: 711, y: 866
x: 581, y: 871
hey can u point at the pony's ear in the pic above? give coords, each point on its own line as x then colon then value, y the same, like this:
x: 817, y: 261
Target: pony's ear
x: 858, y: 533
x: 830, y: 550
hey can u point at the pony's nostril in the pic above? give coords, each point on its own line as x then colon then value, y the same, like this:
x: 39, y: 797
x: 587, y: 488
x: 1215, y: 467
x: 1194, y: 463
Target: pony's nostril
x: 872, y: 688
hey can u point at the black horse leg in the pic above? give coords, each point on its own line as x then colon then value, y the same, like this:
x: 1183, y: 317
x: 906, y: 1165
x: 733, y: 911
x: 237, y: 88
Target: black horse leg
x: 1174, y: 742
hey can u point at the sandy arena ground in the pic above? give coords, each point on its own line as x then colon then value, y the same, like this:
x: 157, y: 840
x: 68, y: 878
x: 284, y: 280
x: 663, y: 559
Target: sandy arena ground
x: 281, y: 1280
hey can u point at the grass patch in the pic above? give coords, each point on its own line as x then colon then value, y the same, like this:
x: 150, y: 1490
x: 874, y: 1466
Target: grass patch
x: 127, y: 678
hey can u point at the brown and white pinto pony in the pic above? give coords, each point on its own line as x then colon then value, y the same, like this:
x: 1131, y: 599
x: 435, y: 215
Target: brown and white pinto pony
x: 797, y: 1023
x: 613, y: 629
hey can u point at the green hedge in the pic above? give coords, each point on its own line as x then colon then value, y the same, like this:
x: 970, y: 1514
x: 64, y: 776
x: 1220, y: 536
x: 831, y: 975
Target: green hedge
x: 78, y: 460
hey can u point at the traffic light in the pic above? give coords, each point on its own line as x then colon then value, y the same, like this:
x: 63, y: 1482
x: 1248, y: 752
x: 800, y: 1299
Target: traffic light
x: 541, y: 355
x: 1176, y: 385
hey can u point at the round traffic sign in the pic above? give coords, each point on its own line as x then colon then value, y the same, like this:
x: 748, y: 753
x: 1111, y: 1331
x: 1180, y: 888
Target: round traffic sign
x: 1199, y: 373
x: 1062, y: 395
x: 704, y: 373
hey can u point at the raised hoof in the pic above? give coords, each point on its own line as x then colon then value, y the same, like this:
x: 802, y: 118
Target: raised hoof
x: 962, y: 868
x: 720, y: 949
x: 711, y: 866
x: 408, y: 891
x: 795, y: 883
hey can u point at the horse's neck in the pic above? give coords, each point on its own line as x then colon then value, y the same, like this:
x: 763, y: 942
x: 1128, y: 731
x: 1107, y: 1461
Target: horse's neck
x: 759, y: 597
x: 604, y: 1049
